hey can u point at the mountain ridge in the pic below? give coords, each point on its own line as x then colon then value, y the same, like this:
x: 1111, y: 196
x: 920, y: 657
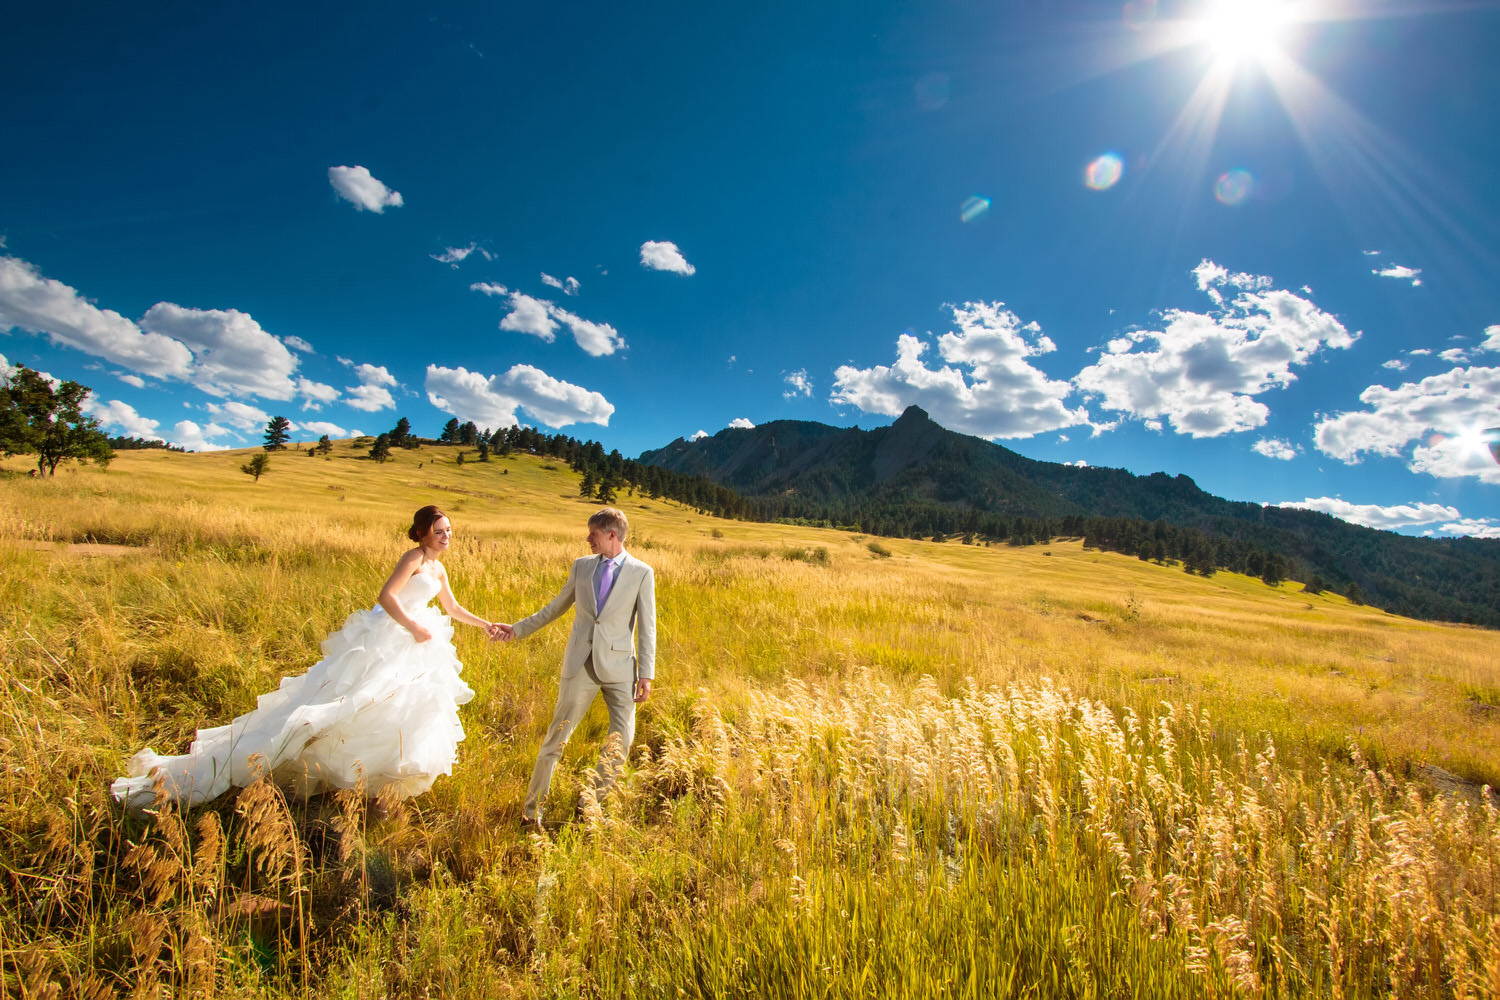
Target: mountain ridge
x: 914, y: 475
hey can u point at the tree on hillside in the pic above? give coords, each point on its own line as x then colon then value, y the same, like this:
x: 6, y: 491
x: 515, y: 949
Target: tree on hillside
x: 324, y: 445
x: 40, y: 417
x: 278, y: 432
x: 401, y: 435
x: 382, y: 449
x: 258, y: 465
x: 450, y: 432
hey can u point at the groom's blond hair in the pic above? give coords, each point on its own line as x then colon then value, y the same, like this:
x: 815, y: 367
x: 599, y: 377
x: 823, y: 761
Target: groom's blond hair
x: 611, y: 519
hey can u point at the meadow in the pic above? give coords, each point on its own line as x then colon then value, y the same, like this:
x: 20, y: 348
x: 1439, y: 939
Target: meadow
x: 870, y: 767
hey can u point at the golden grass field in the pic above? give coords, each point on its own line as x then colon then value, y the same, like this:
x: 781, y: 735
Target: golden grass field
x: 870, y: 767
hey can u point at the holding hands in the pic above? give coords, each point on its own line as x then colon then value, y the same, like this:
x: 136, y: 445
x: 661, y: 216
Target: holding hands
x: 501, y: 632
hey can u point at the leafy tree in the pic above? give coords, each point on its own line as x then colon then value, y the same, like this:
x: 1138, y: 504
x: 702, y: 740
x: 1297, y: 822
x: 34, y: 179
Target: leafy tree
x: 450, y: 431
x: 400, y: 436
x: 278, y: 432
x: 47, y: 420
x: 324, y: 445
x: 382, y: 448
x: 259, y: 465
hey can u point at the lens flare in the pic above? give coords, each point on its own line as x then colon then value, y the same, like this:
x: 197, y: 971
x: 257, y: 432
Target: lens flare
x: 973, y: 208
x: 1139, y: 13
x: 1234, y: 186
x: 1104, y: 172
x: 932, y: 91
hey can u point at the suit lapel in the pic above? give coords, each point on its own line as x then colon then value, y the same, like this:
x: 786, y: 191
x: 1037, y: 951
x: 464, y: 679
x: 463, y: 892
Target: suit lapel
x: 592, y: 565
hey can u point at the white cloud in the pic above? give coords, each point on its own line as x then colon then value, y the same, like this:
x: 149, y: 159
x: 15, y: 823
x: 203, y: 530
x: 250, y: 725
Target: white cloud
x: 1454, y: 355
x: 529, y: 315
x: 489, y: 288
x: 1370, y: 253
x: 369, y: 398
x: 1473, y: 527
x: 121, y: 416
x: 1210, y: 275
x: 1395, y: 364
x: 1399, y: 272
x: 1491, y: 338
x: 132, y: 380
x: 356, y: 186
x: 492, y: 401
x: 1203, y: 372
x: 1080, y: 464
x: 240, y: 416
x: 1420, y: 352
x: 1001, y: 396
x: 597, y: 339
x: 1374, y: 516
x: 298, y: 344
x: 315, y: 395
x: 6, y: 370
x: 321, y: 427
x: 371, y: 394
x: 374, y: 375
x: 1275, y: 448
x: 453, y: 256
x: 663, y: 255
x: 42, y: 305
x: 800, y: 384
x: 541, y: 318
x: 232, y: 354
x: 186, y: 434
x: 743, y: 423
x: 568, y: 286
x: 1441, y: 418
x: 698, y: 435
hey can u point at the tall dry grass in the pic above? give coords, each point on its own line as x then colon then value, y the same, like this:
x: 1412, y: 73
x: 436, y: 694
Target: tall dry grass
x: 952, y: 770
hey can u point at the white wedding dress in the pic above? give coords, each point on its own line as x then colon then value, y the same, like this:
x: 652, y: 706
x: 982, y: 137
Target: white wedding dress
x: 379, y: 706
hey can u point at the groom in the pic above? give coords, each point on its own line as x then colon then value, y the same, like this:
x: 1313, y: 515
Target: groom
x: 615, y: 595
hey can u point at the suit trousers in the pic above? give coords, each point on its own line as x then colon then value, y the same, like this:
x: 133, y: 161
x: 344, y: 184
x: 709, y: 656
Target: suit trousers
x: 575, y: 695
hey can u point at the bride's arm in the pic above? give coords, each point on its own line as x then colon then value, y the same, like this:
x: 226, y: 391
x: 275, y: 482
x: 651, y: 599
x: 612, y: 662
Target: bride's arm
x: 405, y: 567
x: 455, y: 610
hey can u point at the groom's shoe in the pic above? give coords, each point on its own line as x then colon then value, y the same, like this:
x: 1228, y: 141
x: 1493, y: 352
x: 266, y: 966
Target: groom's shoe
x: 532, y: 824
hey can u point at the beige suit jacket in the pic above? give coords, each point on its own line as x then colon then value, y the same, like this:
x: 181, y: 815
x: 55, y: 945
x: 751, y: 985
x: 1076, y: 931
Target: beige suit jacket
x: 622, y: 637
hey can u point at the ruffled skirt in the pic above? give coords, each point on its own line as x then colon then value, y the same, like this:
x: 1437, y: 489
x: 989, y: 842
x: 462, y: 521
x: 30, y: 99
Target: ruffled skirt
x: 379, y: 707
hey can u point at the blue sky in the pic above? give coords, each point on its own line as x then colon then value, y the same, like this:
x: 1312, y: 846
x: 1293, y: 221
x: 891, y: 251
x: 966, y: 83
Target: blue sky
x: 1256, y: 244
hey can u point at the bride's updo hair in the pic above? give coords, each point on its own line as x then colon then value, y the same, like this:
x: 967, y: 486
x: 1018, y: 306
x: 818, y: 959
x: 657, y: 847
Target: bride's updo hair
x: 422, y: 522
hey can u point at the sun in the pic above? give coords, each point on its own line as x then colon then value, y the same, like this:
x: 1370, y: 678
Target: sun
x: 1238, y: 30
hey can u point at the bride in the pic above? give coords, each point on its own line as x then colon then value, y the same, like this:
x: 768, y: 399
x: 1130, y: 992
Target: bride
x: 380, y: 707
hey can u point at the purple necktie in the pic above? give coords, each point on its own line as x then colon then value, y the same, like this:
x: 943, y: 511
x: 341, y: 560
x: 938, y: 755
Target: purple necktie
x: 606, y: 581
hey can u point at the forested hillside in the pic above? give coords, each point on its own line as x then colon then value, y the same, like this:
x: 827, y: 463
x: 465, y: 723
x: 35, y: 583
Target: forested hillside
x: 915, y: 478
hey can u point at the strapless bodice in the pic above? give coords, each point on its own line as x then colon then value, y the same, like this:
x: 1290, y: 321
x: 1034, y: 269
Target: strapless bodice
x: 419, y: 590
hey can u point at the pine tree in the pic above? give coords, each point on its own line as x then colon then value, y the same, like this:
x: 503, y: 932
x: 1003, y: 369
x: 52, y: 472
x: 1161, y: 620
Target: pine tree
x: 278, y: 432
x: 450, y: 431
x: 382, y: 449
x: 259, y: 465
